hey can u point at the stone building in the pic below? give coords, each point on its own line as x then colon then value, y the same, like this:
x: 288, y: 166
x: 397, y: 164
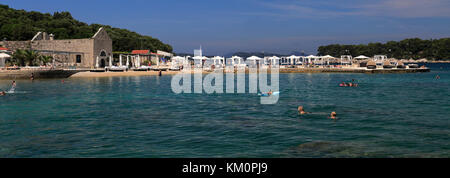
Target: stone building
x: 84, y: 53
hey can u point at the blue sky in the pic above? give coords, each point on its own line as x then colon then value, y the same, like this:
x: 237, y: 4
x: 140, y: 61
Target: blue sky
x: 282, y: 26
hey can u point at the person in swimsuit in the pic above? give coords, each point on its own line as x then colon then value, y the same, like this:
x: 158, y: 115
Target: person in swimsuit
x: 3, y: 93
x: 269, y: 93
x: 301, y: 111
x: 13, y: 84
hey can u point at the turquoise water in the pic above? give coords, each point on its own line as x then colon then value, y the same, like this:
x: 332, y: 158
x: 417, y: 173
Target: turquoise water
x: 389, y: 115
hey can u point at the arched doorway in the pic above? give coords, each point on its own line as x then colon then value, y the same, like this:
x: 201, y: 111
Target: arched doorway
x: 102, y: 63
x: 102, y: 59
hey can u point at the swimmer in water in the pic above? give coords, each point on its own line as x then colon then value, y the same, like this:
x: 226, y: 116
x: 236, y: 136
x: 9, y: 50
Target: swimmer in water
x: 438, y: 77
x: 3, y: 93
x: 13, y: 84
x: 269, y: 93
x: 301, y: 111
x: 333, y: 115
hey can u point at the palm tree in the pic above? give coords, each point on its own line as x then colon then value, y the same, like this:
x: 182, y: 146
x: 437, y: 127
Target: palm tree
x: 19, y: 57
x: 45, y: 59
x: 30, y: 57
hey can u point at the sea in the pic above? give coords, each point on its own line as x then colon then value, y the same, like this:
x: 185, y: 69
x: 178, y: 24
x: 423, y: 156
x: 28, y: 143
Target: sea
x: 387, y: 115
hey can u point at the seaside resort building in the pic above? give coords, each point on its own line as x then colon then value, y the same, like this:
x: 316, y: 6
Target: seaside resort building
x: 82, y: 53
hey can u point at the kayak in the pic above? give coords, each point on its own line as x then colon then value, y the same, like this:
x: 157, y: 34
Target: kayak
x: 265, y: 94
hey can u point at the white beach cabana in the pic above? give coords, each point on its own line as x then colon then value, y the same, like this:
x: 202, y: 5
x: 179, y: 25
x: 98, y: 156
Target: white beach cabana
x: 327, y: 59
x: 311, y: 59
x: 293, y: 59
x: 274, y: 60
x: 379, y: 59
x: 253, y: 60
x: 237, y: 60
x: 218, y: 60
x: 346, y: 59
x: 3, y: 57
x: 198, y: 61
x: 177, y: 61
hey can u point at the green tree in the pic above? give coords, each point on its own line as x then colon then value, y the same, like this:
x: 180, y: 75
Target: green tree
x: 31, y: 57
x: 45, y: 59
x: 18, y: 57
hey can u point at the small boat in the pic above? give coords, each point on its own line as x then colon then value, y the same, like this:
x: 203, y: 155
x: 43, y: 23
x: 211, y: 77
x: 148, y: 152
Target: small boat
x: 413, y: 66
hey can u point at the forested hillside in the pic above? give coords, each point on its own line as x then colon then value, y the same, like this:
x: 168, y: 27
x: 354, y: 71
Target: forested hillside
x: 23, y: 25
x: 414, y: 48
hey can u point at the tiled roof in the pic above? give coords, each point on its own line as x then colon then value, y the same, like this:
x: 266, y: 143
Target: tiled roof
x: 140, y: 52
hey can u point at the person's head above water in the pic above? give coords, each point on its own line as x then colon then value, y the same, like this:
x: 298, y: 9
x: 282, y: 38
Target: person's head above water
x: 333, y: 115
x: 301, y: 110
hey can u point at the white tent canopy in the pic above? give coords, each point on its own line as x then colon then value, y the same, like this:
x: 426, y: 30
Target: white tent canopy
x: 178, y: 58
x: 218, y: 58
x: 274, y: 58
x: 293, y: 57
x: 362, y: 57
x: 327, y: 56
x: 199, y: 57
x: 311, y: 56
x: 236, y: 57
x: 254, y: 58
x: 4, y: 55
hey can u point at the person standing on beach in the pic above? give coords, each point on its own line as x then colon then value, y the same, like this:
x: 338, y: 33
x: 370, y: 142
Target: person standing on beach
x: 13, y: 85
x: 160, y: 73
x: 32, y: 77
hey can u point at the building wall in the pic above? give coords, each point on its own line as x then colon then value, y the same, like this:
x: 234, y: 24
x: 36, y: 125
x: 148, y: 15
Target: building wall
x: 102, y: 42
x: 65, y: 51
x: 83, y: 47
x: 14, y: 45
